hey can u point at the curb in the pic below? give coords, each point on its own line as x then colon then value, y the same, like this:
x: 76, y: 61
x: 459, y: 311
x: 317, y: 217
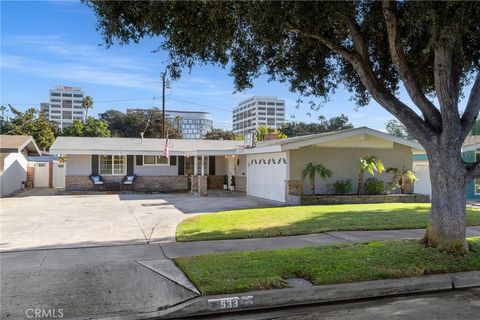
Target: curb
x: 275, y: 298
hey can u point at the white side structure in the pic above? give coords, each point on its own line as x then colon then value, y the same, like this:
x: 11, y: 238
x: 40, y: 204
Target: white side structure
x: 258, y: 111
x: 65, y: 105
x: 13, y: 162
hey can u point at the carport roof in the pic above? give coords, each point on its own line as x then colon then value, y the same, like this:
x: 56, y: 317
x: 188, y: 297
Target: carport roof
x: 16, y: 143
x: 88, y: 145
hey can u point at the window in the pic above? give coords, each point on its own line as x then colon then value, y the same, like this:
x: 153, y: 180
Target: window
x: 66, y: 95
x: 155, y: 161
x: 54, y: 94
x: 270, y: 103
x: 280, y: 104
x: 78, y: 95
x: 55, y: 100
x: 112, y: 165
x: 260, y: 103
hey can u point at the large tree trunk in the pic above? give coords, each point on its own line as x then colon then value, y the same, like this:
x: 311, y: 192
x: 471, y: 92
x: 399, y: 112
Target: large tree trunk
x: 446, y: 228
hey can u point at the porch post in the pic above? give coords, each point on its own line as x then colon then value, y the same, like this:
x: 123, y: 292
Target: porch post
x: 195, y: 165
x: 203, y: 165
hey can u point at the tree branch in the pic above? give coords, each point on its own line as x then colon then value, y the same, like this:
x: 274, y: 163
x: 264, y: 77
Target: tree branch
x: 428, y: 109
x: 473, y: 170
x: 447, y: 90
x: 473, y: 107
x: 386, y: 99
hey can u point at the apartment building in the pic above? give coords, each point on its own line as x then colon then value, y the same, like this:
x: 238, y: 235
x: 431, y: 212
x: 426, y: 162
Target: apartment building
x: 192, y: 124
x: 258, y: 111
x: 64, y: 106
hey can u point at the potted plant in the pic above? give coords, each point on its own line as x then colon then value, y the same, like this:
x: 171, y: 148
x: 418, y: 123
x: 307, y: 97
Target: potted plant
x: 311, y: 170
x: 225, y: 182
x: 370, y: 164
x: 232, y: 183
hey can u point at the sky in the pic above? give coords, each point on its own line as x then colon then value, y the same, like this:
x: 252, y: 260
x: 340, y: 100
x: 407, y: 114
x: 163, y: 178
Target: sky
x: 49, y: 43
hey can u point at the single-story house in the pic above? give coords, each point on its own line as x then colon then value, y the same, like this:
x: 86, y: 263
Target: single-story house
x: 470, y: 153
x: 14, y: 151
x: 268, y: 169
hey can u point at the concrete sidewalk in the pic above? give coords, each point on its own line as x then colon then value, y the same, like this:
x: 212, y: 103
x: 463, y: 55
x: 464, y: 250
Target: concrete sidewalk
x: 188, y: 249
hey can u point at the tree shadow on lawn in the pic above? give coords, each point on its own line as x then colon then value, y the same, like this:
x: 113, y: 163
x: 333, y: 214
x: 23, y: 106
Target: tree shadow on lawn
x: 408, y: 218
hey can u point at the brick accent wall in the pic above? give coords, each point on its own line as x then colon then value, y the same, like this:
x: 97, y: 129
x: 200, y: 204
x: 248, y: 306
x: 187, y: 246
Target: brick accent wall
x: 215, y: 182
x: 240, y: 183
x: 295, y: 187
x: 352, y: 199
x: 78, y: 183
x: 161, y: 183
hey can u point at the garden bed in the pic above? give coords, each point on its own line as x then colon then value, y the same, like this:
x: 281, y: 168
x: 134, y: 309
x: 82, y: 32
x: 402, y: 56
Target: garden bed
x: 364, y: 198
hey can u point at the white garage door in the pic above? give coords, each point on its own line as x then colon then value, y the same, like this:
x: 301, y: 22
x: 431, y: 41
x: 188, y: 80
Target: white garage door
x: 266, y: 175
x: 422, y: 184
x: 41, y: 175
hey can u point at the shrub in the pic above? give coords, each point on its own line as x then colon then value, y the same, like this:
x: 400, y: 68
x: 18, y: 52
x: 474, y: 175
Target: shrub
x: 374, y: 186
x: 343, y: 186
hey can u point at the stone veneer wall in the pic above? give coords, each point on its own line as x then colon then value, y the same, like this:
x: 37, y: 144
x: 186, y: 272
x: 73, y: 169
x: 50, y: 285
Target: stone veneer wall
x: 142, y: 183
x: 354, y: 199
x: 240, y: 183
x: 215, y: 182
x: 78, y: 183
x: 161, y: 183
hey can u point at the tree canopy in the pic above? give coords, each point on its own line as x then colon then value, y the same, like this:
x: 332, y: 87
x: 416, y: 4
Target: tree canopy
x: 262, y: 132
x: 32, y: 123
x: 132, y: 123
x: 396, y: 128
x: 293, y: 129
x: 220, y: 134
x: 369, y: 47
x: 91, y: 128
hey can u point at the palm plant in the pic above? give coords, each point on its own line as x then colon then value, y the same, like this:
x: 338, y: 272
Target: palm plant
x: 87, y: 103
x: 370, y: 164
x: 400, y: 175
x: 311, y: 171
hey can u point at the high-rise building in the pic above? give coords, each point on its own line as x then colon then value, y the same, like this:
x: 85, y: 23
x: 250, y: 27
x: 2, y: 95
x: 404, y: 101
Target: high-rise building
x: 65, y: 105
x: 192, y: 124
x: 258, y: 111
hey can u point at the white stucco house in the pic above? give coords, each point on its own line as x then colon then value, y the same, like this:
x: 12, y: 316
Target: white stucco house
x: 268, y: 169
x: 14, y: 150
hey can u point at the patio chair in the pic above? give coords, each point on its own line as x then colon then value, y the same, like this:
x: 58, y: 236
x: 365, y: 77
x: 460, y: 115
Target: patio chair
x: 97, y: 181
x: 128, y: 181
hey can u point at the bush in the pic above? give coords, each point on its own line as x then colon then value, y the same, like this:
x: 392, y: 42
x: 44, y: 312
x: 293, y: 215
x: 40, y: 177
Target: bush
x: 374, y: 186
x: 343, y: 186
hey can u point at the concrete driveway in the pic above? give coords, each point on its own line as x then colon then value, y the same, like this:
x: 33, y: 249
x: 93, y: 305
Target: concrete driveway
x: 38, y: 219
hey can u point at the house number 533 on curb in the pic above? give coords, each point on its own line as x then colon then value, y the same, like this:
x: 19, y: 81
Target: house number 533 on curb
x: 230, y: 303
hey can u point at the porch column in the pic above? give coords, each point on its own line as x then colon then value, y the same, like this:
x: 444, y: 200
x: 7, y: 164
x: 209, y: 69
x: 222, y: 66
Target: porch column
x: 203, y: 165
x: 195, y: 165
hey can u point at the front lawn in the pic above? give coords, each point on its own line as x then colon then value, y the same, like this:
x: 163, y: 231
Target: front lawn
x: 287, y: 221
x: 353, y: 262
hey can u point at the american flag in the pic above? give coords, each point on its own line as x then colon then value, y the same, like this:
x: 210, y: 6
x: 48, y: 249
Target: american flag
x: 165, y: 149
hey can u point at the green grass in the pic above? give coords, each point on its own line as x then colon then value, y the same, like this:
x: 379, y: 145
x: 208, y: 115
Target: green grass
x: 287, y: 221
x: 246, y: 271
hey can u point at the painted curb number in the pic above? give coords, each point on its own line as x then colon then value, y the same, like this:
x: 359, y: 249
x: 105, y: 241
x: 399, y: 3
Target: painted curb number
x: 230, y: 303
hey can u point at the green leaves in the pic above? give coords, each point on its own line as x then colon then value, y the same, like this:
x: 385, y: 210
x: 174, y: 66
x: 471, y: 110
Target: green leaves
x: 91, y: 128
x: 371, y: 164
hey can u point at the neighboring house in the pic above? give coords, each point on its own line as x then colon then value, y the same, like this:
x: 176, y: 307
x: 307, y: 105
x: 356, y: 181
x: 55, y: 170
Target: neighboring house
x: 270, y: 169
x: 14, y: 151
x: 470, y: 153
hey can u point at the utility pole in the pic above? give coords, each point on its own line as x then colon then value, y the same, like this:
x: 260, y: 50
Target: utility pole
x: 164, y: 130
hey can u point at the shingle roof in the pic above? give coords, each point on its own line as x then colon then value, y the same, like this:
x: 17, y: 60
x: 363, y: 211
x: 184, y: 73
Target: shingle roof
x: 15, y: 143
x: 64, y: 145
x: 300, y: 138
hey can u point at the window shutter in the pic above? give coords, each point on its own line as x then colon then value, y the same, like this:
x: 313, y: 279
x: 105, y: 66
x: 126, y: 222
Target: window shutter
x: 211, y: 165
x: 95, y: 164
x: 173, y: 160
x: 130, y: 165
x: 181, y: 165
x: 139, y: 160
